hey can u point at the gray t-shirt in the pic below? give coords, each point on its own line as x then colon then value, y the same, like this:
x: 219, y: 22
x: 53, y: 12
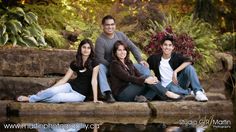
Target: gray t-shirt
x: 104, y: 45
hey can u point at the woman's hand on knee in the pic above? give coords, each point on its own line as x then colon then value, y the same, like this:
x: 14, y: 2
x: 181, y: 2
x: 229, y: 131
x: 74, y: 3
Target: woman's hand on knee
x: 151, y: 80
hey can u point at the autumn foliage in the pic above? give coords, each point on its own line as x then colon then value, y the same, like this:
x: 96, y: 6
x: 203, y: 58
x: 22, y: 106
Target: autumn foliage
x: 184, y: 44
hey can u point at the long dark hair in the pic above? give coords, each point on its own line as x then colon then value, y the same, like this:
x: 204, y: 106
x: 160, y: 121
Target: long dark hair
x: 116, y: 45
x: 79, y: 60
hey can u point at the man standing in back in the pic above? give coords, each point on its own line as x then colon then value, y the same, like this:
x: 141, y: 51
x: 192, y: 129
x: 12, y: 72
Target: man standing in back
x: 103, y: 51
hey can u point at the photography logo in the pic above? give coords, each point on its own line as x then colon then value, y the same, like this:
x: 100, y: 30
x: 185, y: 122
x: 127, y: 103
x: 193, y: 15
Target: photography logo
x: 210, y: 122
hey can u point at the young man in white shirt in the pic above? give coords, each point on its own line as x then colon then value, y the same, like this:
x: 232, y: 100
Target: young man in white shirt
x: 175, y: 71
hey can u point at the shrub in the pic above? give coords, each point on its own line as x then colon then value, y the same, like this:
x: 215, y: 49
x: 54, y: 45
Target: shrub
x: 227, y: 41
x: 65, y: 20
x: 184, y: 44
x: 20, y: 28
x: 54, y: 38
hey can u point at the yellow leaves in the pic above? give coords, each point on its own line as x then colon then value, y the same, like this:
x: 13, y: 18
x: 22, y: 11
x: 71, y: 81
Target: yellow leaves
x: 22, y: 2
x: 222, y: 24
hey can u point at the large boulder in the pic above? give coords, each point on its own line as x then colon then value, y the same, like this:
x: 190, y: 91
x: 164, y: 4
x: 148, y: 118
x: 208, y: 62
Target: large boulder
x: 14, y: 86
x: 34, y: 62
x: 224, y: 61
x: 28, y: 70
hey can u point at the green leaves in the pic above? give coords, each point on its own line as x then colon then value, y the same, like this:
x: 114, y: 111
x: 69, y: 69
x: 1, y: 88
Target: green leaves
x: 13, y: 40
x: 15, y: 26
x: 2, y: 29
x: 3, y: 34
x: 227, y: 41
x: 54, y: 38
x: 4, y: 39
x: 30, y: 18
x: 18, y: 27
x: 19, y: 11
x: 30, y: 40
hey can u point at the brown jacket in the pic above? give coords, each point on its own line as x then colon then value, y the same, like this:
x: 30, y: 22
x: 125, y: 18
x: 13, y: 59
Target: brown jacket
x: 122, y: 76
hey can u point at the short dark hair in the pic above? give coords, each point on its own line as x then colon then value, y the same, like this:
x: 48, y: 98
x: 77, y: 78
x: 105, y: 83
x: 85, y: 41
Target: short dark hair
x: 106, y: 18
x: 167, y: 37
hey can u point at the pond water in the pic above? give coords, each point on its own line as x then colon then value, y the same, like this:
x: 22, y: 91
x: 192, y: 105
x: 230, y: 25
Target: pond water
x: 116, y: 124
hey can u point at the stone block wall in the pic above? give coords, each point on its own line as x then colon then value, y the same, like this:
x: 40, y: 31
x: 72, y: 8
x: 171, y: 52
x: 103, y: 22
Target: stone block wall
x: 28, y: 70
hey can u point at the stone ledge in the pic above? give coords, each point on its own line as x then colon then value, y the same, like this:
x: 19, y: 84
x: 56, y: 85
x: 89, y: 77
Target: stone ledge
x: 210, y: 96
x: 4, y: 104
x: 83, y: 109
x: 193, y: 108
x: 155, y: 108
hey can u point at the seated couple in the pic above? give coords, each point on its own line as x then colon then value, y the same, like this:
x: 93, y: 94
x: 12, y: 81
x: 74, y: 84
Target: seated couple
x: 173, y: 70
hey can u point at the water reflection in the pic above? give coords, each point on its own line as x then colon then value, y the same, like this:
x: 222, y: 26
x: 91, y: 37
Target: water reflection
x: 102, y: 124
x: 106, y: 127
x: 74, y: 127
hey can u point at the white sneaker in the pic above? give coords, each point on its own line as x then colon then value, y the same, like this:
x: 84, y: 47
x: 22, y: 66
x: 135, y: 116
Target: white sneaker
x: 201, y: 97
x: 191, y: 93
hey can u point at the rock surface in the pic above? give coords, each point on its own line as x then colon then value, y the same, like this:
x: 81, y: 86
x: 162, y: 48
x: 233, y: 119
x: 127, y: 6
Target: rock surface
x: 193, y: 108
x: 34, y: 62
x: 15, y: 86
x: 81, y: 109
x: 219, y: 108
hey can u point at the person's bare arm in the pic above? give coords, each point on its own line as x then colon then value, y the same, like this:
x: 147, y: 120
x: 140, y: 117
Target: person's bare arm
x: 180, y: 68
x: 67, y: 76
x: 94, y: 83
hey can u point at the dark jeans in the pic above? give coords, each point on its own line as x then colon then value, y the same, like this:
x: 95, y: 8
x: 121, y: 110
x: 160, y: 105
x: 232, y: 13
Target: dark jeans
x: 149, y: 91
x: 129, y: 93
x: 156, y: 91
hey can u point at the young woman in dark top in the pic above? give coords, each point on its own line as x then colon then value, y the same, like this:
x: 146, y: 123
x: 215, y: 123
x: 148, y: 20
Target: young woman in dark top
x: 75, y: 90
x: 127, y: 83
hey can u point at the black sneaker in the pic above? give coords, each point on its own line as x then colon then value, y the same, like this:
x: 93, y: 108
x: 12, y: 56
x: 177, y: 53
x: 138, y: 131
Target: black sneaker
x: 110, y: 98
x: 140, y: 99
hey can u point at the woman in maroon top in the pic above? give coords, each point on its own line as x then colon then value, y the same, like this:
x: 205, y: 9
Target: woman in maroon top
x: 127, y: 83
x: 75, y: 90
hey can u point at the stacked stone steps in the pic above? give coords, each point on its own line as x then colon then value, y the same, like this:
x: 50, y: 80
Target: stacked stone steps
x: 27, y: 71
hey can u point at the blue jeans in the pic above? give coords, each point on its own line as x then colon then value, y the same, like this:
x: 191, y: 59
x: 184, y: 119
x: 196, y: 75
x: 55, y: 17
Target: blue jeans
x: 61, y: 93
x: 104, y: 71
x: 188, y: 76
